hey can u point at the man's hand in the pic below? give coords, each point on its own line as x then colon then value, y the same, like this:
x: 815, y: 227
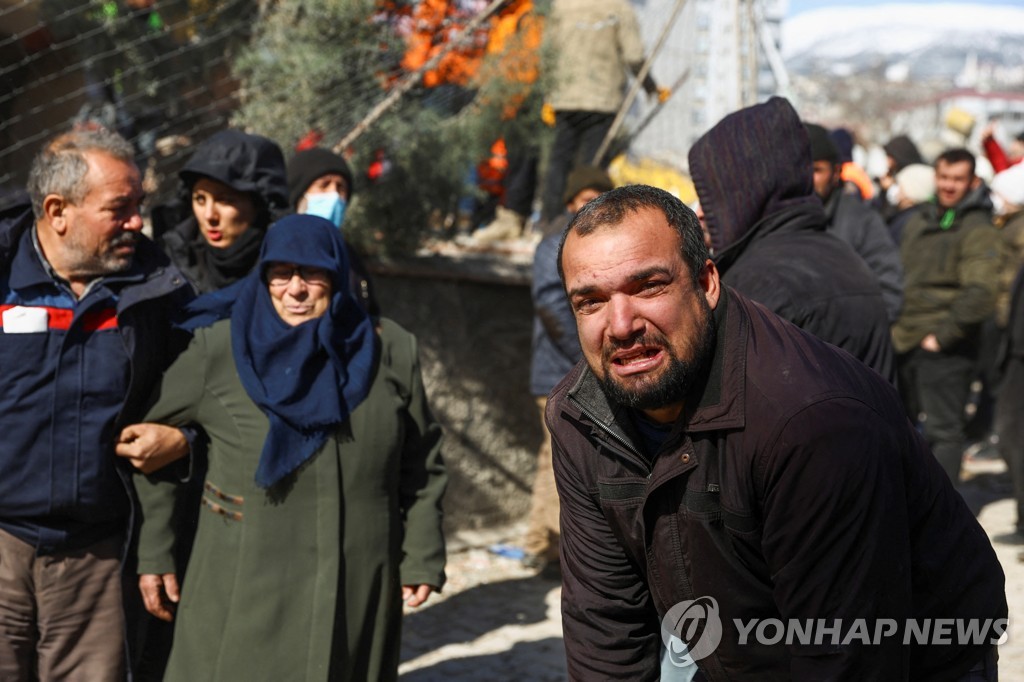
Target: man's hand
x: 931, y: 344
x: 664, y: 94
x: 151, y: 446
x: 414, y: 595
x: 160, y: 594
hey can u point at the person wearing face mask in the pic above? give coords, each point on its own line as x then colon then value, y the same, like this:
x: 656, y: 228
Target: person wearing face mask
x: 235, y: 184
x: 320, y: 183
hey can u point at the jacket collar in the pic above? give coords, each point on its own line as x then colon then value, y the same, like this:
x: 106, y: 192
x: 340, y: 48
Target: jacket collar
x: 150, y: 268
x: 717, y: 403
x: 720, y: 403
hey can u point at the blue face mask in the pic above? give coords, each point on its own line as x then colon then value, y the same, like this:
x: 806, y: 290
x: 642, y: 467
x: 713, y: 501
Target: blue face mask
x: 327, y: 205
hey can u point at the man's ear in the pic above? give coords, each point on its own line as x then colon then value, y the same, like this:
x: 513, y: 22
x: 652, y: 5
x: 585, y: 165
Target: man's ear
x: 710, y: 283
x: 55, y: 209
x: 975, y: 182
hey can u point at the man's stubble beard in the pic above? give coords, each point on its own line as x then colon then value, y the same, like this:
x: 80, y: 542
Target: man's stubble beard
x: 676, y: 381
x: 83, y: 263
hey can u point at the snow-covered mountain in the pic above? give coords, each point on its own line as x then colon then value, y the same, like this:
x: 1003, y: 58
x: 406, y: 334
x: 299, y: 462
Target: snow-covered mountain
x: 926, y: 41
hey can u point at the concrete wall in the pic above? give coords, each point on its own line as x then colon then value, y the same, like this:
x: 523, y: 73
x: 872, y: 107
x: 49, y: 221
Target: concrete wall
x: 474, y: 339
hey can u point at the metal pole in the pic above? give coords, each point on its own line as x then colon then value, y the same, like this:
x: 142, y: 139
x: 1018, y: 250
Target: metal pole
x: 637, y: 83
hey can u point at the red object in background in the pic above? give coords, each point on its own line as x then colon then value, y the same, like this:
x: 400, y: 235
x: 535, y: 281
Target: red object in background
x: 491, y: 171
x: 37, y: 40
x: 379, y: 167
x: 309, y: 140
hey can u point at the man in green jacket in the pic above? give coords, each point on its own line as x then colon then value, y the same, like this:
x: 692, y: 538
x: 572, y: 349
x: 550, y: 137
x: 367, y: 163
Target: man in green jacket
x: 951, y: 253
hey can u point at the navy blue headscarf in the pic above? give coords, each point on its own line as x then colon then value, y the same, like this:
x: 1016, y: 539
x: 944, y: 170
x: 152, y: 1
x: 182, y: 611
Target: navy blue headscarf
x: 307, y: 379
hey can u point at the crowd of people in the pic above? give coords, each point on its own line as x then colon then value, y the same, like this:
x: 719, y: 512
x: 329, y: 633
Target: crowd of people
x: 220, y: 461
x: 260, y: 457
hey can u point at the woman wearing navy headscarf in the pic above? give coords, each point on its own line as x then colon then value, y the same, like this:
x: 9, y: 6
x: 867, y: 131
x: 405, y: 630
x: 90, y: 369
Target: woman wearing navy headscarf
x: 321, y: 506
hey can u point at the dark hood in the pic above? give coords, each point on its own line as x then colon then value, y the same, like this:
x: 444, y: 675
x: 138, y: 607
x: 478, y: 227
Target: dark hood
x: 247, y: 163
x: 754, y: 163
x: 903, y: 152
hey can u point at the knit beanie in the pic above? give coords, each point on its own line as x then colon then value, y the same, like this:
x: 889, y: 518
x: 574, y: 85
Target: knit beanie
x: 308, y: 165
x: 917, y: 182
x: 822, y: 148
x: 843, y: 140
x: 1010, y: 184
x: 586, y: 177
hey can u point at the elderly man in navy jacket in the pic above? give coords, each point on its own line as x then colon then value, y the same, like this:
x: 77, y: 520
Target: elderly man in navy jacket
x: 87, y: 304
x: 741, y: 500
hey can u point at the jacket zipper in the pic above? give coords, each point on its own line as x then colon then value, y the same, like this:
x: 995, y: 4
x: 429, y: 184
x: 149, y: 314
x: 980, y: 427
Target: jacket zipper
x: 628, y: 448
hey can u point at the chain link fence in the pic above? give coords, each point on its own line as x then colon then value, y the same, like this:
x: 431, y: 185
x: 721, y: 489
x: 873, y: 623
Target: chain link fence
x: 160, y: 73
x: 167, y: 74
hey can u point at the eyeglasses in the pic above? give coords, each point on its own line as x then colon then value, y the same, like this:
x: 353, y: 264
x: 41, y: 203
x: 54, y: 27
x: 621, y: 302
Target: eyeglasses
x: 281, y: 275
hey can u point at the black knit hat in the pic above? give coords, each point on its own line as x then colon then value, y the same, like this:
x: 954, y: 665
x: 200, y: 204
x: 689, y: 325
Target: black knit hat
x: 586, y: 177
x: 308, y: 165
x: 822, y: 147
x: 843, y: 140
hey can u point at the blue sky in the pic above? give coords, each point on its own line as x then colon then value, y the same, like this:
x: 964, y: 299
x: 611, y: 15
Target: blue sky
x: 800, y: 6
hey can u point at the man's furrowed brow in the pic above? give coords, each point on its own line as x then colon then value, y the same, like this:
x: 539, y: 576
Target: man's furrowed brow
x: 582, y: 291
x: 649, y: 272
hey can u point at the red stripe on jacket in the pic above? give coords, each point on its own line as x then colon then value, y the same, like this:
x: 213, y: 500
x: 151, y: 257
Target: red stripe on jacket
x: 61, y: 318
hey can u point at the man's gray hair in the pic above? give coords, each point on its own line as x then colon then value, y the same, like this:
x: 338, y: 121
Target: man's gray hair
x: 60, y: 167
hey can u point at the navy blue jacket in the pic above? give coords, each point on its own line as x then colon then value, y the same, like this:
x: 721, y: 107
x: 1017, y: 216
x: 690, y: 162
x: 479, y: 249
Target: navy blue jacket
x: 556, y: 347
x: 67, y: 390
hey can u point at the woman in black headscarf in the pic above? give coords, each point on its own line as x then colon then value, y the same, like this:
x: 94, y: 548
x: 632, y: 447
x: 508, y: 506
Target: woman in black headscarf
x: 321, y: 509
x: 236, y: 186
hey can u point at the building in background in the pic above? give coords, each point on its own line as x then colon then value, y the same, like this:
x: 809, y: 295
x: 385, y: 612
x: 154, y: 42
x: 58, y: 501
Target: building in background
x: 929, y: 119
x: 729, y: 50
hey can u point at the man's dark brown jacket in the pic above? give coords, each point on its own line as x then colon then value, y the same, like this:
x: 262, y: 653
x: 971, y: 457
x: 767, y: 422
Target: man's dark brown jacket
x: 791, y: 487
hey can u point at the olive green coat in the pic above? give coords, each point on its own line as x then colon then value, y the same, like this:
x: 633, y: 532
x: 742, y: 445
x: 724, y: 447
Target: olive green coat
x: 951, y: 276
x: 302, y: 581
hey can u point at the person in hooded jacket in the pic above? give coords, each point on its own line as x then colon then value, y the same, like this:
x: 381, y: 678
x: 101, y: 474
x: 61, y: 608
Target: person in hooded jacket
x: 753, y: 177
x: 236, y: 186
x: 716, y: 464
